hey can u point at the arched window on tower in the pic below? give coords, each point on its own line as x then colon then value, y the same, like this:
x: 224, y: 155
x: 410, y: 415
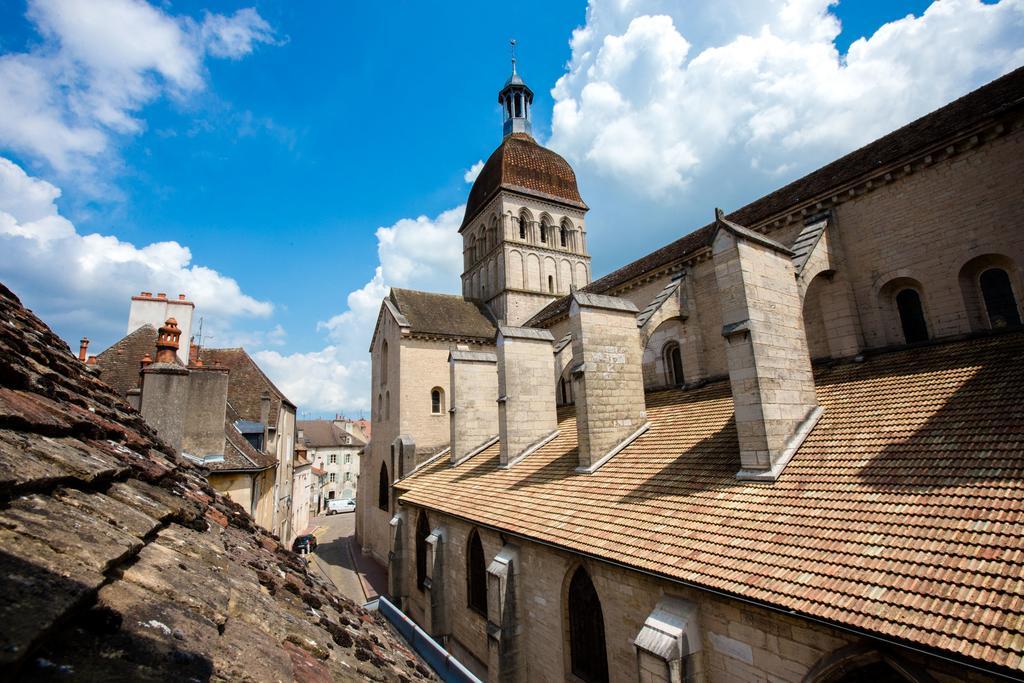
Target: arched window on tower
x: 544, y: 231
x: 476, y: 574
x: 524, y: 225
x: 563, y: 235
x: 380, y: 407
x: 422, y: 531
x: 384, y: 362
x: 387, y: 405
x: 586, y: 630
x: 908, y: 303
x: 383, y: 488
x: 551, y: 284
x: 673, y: 364
x: 1000, y: 303
x: 437, y: 401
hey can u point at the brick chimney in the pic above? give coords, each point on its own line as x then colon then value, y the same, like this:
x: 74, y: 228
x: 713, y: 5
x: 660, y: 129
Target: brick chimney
x: 607, y: 376
x: 167, y: 341
x: 766, y: 348
x: 526, y: 391
x: 83, y: 349
x: 473, y: 415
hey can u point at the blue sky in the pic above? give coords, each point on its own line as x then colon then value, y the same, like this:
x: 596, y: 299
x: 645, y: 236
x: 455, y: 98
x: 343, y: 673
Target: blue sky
x: 273, y: 140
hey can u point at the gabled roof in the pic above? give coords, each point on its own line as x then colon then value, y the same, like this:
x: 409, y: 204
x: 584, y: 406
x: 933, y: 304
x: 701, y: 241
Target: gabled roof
x: 443, y: 315
x: 119, y: 364
x: 325, y: 434
x: 246, y: 383
x: 899, y: 516
x: 964, y: 114
x: 118, y: 562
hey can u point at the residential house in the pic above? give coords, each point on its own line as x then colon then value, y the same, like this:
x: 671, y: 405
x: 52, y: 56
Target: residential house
x: 334, y: 447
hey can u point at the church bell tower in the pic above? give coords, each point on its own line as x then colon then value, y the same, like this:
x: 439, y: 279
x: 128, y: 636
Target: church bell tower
x: 523, y: 234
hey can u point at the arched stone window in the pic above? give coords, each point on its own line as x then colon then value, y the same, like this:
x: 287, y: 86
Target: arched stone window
x: 860, y: 662
x: 1000, y: 303
x: 383, y: 488
x: 544, y: 230
x: 476, y: 574
x: 908, y: 304
x: 436, y: 401
x: 551, y: 283
x: 673, y: 364
x: 563, y: 235
x: 522, y: 227
x: 384, y: 362
x: 588, y: 656
x: 387, y: 405
x: 422, y: 531
x: 380, y: 407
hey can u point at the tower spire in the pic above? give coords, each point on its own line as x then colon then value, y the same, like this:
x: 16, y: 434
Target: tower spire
x: 516, y: 100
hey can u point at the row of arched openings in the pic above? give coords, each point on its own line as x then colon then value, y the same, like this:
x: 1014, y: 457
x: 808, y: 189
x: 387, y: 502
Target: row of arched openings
x: 546, y: 232
x: 997, y: 307
x: 588, y: 653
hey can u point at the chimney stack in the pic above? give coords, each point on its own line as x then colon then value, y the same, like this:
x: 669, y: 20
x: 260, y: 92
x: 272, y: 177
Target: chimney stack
x: 265, y: 407
x: 163, y: 401
x: 526, y: 391
x: 83, y: 349
x: 766, y: 348
x: 607, y: 378
x: 167, y: 341
x: 474, y: 411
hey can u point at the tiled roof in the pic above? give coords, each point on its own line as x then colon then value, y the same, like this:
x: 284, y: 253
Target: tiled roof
x: 239, y: 455
x: 965, y: 113
x: 325, y: 433
x: 443, y: 314
x: 119, y: 364
x: 118, y: 563
x: 519, y: 163
x: 246, y: 383
x: 900, y: 515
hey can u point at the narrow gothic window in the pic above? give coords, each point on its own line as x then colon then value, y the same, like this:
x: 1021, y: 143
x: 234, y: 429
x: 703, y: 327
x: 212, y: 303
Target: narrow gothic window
x: 551, y: 284
x: 422, y: 531
x: 674, y: 364
x: 522, y: 229
x: 387, y: 405
x: 564, y: 236
x: 1000, y: 303
x: 544, y: 232
x: 586, y: 630
x: 436, y: 401
x: 380, y: 407
x: 476, y: 574
x: 384, y: 362
x: 383, y: 488
x: 908, y: 303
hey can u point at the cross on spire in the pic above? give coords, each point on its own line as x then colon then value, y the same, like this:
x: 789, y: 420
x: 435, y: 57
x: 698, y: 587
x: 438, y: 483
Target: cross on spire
x: 513, y: 44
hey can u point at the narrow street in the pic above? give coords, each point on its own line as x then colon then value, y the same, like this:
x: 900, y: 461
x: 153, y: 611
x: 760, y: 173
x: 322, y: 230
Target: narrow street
x: 338, y: 558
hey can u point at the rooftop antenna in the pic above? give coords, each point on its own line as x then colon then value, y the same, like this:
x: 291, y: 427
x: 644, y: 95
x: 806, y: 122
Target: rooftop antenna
x: 513, y: 44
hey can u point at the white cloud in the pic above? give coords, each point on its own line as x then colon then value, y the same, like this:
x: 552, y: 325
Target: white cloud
x: 98, y: 64
x: 85, y: 281
x: 474, y: 170
x: 419, y: 253
x: 668, y: 108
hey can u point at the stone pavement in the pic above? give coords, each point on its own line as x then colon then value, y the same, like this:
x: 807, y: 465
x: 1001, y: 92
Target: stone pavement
x: 340, y: 559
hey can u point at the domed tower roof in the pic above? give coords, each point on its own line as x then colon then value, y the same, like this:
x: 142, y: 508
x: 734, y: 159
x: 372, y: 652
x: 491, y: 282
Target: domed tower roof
x: 520, y: 164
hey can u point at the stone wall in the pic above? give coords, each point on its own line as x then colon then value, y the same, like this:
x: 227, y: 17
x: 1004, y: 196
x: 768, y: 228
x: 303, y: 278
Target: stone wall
x: 474, y: 401
x: 738, y: 642
x: 526, y: 388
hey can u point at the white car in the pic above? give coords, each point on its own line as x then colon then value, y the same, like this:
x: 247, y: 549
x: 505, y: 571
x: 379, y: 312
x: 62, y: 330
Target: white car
x: 336, y: 505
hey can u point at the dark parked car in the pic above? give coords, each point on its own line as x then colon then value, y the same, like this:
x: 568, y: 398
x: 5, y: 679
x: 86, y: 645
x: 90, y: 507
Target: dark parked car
x: 304, y: 544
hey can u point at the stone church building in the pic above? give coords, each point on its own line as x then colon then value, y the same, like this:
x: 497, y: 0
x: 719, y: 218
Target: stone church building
x: 788, y: 446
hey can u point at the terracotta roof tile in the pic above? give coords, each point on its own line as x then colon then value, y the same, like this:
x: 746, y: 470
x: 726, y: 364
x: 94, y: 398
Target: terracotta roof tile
x: 246, y: 383
x: 119, y: 563
x: 443, y: 314
x: 900, y: 515
x: 325, y: 433
x: 965, y: 113
x: 119, y: 364
x: 519, y: 163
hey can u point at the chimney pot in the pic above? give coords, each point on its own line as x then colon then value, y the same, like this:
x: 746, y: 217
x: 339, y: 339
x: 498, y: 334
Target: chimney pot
x: 146, y: 294
x: 146, y: 360
x: 167, y: 341
x: 161, y: 295
x: 91, y: 361
x: 181, y: 297
x: 83, y: 348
